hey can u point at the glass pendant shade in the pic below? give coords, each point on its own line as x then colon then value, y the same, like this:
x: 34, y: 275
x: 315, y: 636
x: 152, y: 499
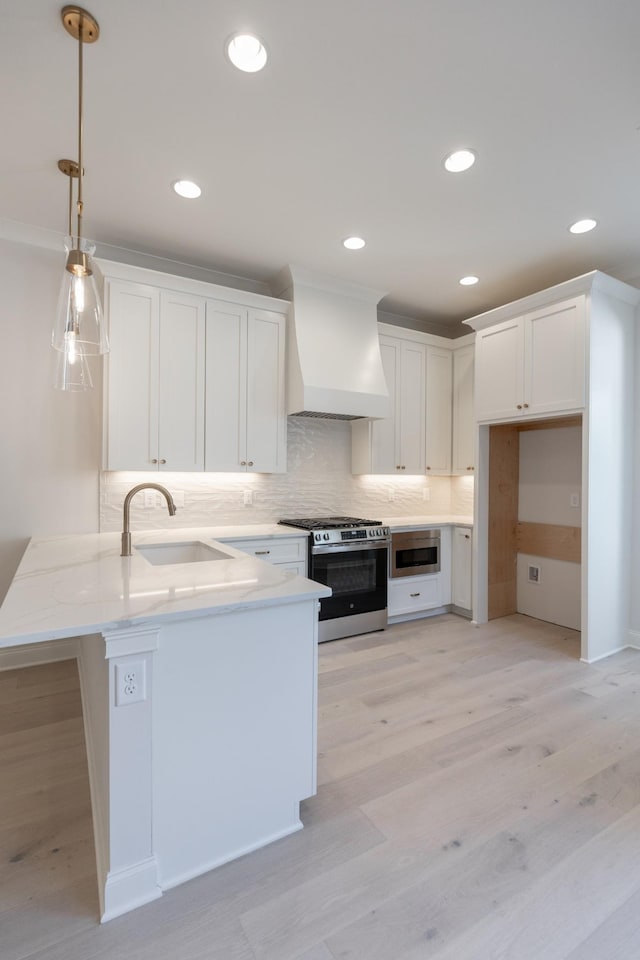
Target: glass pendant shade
x: 79, y: 326
x: 72, y: 371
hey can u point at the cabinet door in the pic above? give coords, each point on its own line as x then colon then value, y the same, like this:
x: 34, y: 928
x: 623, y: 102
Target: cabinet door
x: 411, y: 413
x: 266, y: 419
x: 226, y: 390
x: 499, y: 371
x: 461, y: 568
x: 463, y: 416
x: 181, y: 383
x: 383, y: 434
x: 439, y: 390
x: 131, y: 376
x: 555, y: 357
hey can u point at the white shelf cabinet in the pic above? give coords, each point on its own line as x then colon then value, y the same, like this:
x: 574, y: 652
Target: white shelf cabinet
x: 461, y: 568
x: 155, y: 379
x: 245, y: 401
x: 396, y: 444
x: 463, y: 432
x: 195, y: 377
x: 438, y: 412
x: 532, y: 365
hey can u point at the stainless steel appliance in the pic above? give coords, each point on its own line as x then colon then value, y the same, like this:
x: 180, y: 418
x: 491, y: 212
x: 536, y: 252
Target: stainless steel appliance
x: 415, y: 552
x: 352, y: 557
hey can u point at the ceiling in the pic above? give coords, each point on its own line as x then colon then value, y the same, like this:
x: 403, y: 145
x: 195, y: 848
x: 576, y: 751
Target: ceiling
x: 344, y: 132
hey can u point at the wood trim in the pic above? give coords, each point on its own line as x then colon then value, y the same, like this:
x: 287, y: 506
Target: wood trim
x: 504, y: 461
x: 550, y: 540
x: 553, y: 422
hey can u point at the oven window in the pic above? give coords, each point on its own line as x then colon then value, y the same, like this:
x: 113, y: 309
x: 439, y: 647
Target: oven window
x: 346, y: 574
x: 416, y: 557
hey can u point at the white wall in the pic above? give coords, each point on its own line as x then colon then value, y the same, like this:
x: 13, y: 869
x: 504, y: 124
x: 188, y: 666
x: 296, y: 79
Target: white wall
x: 550, y: 471
x: 49, y: 441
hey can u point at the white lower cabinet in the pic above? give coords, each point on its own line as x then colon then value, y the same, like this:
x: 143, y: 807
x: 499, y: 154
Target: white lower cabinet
x: 412, y: 594
x: 288, y: 553
x: 461, y: 568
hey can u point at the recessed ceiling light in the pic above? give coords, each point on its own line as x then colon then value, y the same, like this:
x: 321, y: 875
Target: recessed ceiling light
x: 354, y: 243
x: 187, y: 189
x: 582, y: 226
x: 468, y: 281
x: 246, y: 52
x: 459, y: 160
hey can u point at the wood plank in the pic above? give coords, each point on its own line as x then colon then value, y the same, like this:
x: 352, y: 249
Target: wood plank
x: 551, y: 423
x: 504, y: 460
x: 552, y: 540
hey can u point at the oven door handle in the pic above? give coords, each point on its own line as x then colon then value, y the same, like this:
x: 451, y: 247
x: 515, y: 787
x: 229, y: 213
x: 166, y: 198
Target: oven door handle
x: 350, y: 547
x: 412, y: 541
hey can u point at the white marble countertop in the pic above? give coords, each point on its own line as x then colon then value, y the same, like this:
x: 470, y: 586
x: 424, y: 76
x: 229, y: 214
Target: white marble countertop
x: 398, y: 524
x: 74, y: 585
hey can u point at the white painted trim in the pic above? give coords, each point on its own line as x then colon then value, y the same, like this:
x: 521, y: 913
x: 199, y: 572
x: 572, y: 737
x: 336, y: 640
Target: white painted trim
x: 240, y: 852
x: 33, y: 654
x: 603, y: 656
x: 167, y: 281
x: 420, y: 614
x: 561, y: 291
x: 124, y: 642
x: 130, y: 888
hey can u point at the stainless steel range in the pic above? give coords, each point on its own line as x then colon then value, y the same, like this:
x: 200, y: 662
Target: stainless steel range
x: 349, y: 555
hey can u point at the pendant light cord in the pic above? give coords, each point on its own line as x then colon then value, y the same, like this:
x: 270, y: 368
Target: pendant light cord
x: 80, y: 131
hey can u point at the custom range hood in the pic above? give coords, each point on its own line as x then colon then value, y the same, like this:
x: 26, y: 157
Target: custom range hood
x: 334, y: 366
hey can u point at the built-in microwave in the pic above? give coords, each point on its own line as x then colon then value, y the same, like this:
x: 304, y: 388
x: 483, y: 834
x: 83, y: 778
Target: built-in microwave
x: 415, y: 552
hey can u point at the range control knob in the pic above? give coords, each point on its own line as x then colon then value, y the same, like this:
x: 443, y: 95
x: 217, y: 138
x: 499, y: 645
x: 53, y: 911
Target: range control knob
x: 326, y: 536
x: 317, y: 537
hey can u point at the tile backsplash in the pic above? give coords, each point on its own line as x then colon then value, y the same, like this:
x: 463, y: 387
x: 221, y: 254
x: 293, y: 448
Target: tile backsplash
x: 318, y: 483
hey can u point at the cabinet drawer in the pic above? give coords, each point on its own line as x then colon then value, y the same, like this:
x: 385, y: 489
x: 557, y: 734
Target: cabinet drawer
x: 279, y: 550
x: 413, y: 594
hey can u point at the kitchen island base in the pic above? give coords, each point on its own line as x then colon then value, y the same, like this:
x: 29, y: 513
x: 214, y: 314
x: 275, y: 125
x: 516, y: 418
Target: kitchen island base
x: 214, y: 758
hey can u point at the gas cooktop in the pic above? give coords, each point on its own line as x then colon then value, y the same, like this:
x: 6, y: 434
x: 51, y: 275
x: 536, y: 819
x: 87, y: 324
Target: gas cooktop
x: 329, y: 523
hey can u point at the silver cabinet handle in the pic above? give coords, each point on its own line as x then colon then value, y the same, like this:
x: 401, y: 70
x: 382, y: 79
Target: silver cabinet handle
x: 250, y: 463
x: 243, y: 463
x: 154, y: 460
x: 163, y: 461
x: 261, y: 553
x: 414, y: 594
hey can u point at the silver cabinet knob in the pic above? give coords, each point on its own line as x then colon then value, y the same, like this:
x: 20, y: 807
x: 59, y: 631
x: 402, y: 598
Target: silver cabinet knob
x: 467, y: 537
x: 163, y: 461
x: 403, y: 467
x: 243, y: 463
x: 250, y: 463
x: 397, y: 466
x: 519, y: 406
x: 428, y: 468
x: 154, y: 460
x: 525, y: 405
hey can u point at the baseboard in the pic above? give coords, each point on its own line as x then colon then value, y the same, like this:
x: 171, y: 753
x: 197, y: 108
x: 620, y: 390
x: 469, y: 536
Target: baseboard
x: 634, y: 639
x: 34, y: 654
x: 128, y: 889
x: 603, y: 656
x: 420, y: 614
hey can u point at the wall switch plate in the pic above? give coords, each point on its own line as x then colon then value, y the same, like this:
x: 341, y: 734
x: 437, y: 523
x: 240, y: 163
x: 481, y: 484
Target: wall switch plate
x: 131, y: 682
x: 574, y: 500
x: 426, y: 493
x: 248, y: 498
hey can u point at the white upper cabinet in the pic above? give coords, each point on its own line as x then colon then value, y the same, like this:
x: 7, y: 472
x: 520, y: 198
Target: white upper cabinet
x: 463, y: 460
x: 532, y: 365
x: 192, y: 382
x: 245, y: 413
x: 154, y: 379
x: 396, y: 444
x: 438, y: 419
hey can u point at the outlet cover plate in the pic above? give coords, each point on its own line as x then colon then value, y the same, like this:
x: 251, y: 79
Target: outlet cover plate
x: 131, y: 682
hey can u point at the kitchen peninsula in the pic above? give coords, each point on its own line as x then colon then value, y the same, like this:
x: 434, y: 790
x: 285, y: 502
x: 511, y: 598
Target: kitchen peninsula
x: 199, y: 696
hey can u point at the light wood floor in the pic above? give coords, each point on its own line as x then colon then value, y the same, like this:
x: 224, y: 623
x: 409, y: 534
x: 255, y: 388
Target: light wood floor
x: 479, y: 799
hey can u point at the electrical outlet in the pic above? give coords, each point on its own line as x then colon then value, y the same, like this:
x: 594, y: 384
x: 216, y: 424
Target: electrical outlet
x: 150, y: 498
x: 426, y: 493
x: 534, y: 574
x: 574, y: 499
x: 130, y: 682
x: 248, y: 498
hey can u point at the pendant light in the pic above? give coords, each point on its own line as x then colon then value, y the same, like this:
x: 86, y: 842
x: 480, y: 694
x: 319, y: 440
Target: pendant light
x: 79, y: 329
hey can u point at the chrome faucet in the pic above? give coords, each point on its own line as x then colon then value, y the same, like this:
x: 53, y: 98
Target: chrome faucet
x: 126, y: 535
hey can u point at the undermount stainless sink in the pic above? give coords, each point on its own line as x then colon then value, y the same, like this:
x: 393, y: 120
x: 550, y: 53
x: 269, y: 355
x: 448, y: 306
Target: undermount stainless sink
x: 193, y: 551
